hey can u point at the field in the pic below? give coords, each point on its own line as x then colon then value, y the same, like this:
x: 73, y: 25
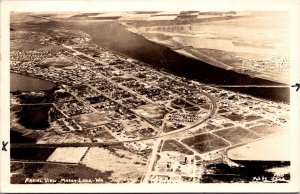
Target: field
x: 67, y: 155
x: 244, y: 62
x: 55, y: 171
x: 265, y: 130
x: 172, y: 127
x: 226, y: 42
x: 236, y: 135
x: 37, y: 154
x: 122, y: 121
x: 27, y: 46
x: 173, y: 145
x: 269, y: 149
x: 252, y: 117
x: 103, y: 136
x: 179, y: 103
x: 234, y: 116
x: 205, y: 143
x: 150, y: 111
x: 22, y: 40
x: 92, y: 120
x: 123, y: 165
x: 56, y: 62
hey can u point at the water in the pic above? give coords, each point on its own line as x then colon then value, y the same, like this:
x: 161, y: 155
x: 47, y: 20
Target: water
x: 35, y: 117
x: 116, y: 37
x: 37, y: 154
x: 279, y: 94
x: 32, y: 116
x: 17, y: 137
x: 222, y: 173
x: 26, y: 83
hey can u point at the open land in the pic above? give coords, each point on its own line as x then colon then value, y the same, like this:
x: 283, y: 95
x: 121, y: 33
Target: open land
x: 124, y: 121
x: 245, y: 42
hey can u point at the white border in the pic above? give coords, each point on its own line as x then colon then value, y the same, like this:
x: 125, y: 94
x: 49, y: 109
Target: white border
x: 159, y: 5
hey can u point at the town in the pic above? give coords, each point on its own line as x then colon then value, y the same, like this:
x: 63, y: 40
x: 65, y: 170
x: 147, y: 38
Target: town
x: 104, y: 97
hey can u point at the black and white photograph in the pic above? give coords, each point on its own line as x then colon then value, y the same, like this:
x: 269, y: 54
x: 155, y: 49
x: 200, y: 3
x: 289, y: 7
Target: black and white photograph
x: 149, y: 97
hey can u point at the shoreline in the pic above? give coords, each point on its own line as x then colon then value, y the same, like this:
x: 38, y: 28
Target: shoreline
x: 188, y: 54
x: 34, y: 77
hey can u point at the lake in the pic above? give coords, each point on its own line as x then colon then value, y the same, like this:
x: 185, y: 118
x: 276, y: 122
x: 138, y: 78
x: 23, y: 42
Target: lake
x: 115, y: 37
x: 27, y: 83
x: 32, y: 117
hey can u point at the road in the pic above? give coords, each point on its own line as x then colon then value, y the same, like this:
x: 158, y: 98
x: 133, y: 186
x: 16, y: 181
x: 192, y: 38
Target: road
x: 31, y: 104
x: 96, y: 144
x: 99, y: 144
x: 151, y: 160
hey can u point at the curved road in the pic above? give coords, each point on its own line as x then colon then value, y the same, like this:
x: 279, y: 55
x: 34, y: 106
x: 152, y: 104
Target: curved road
x: 103, y: 144
x: 96, y: 144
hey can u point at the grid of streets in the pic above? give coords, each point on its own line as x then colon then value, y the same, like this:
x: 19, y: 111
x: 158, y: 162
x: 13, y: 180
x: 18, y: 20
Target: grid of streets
x: 106, y: 98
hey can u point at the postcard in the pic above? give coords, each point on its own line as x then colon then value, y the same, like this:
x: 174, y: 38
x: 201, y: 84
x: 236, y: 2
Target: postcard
x: 157, y: 96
